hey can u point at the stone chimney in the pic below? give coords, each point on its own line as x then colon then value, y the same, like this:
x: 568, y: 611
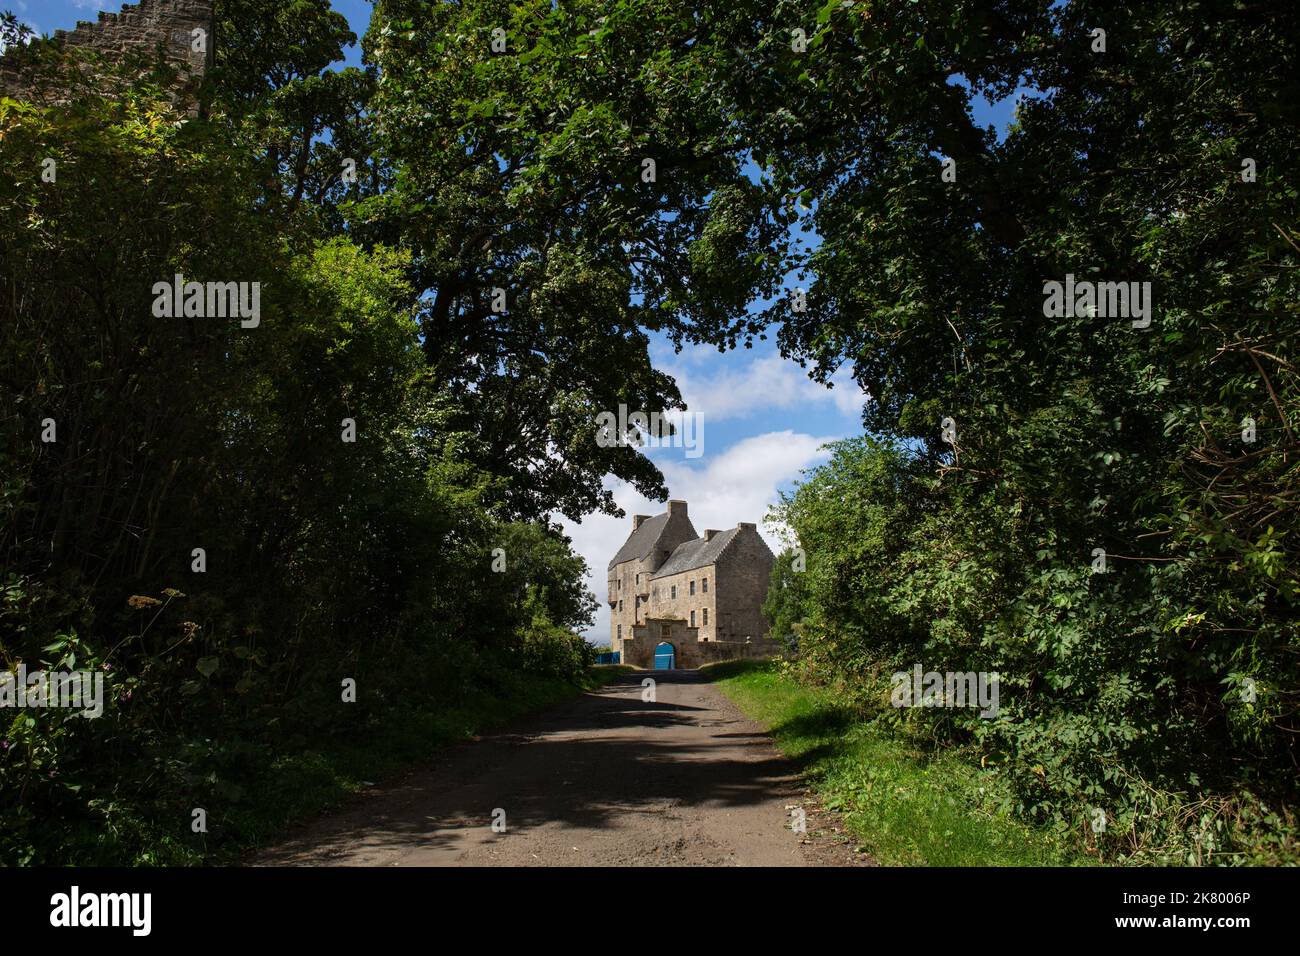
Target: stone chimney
x: 747, y: 526
x: 708, y: 535
x: 637, y: 519
x: 676, y: 507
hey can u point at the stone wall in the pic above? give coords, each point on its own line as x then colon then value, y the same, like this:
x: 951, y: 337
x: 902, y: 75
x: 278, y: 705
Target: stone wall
x: 146, y: 29
x: 740, y: 580
x: 713, y: 652
x: 663, y: 604
x: 639, y: 651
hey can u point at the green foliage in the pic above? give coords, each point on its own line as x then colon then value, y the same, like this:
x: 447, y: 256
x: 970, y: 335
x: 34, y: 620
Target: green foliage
x: 786, y: 603
x: 1102, y: 705
x: 1163, y: 691
x: 13, y: 32
x: 326, y: 559
x: 906, y: 805
x: 1170, y: 681
x: 523, y: 171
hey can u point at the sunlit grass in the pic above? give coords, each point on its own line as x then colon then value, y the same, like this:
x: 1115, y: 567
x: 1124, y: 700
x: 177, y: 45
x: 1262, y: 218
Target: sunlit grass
x: 905, y: 807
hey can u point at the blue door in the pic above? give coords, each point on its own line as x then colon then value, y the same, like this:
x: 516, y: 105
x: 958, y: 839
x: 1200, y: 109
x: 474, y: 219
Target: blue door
x: 664, y: 657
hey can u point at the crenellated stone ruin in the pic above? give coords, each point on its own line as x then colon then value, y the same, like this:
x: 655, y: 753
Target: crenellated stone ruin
x: 144, y: 32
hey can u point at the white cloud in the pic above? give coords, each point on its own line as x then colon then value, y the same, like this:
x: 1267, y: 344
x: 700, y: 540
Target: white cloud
x: 769, y: 382
x: 737, y: 485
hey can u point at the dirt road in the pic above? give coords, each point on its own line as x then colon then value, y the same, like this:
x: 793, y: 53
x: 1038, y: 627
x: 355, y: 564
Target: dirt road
x: 606, y: 779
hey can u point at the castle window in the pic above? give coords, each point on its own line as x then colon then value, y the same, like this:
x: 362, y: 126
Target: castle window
x: 704, y: 585
x: 692, y: 619
x: 620, y: 632
x: 620, y: 606
x: 672, y: 592
x: 692, y: 589
x: 706, y: 617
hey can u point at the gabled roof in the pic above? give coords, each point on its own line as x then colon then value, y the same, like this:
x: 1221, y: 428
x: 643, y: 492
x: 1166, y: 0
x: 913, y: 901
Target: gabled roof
x: 642, y: 541
x: 695, y: 554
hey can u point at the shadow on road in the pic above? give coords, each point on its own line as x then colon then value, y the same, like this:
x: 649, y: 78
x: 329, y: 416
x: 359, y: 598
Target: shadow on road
x: 587, y: 764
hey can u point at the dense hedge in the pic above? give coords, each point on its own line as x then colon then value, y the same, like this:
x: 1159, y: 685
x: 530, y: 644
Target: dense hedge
x: 1164, y: 690
x: 326, y: 559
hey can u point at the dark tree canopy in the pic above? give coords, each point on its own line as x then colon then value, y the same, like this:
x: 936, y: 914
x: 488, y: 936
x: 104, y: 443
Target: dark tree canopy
x: 465, y: 249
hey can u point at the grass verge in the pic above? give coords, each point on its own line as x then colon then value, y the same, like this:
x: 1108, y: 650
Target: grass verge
x: 906, y: 807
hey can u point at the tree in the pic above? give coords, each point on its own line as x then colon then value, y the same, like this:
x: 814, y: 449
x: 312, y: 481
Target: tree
x: 563, y: 194
x: 1162, y: 160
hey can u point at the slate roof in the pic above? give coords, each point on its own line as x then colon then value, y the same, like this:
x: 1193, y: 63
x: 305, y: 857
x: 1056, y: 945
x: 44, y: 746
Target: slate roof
x: 695, y: 554
x: 641, y: 541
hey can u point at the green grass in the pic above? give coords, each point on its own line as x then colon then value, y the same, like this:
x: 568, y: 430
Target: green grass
x: 906, y: 807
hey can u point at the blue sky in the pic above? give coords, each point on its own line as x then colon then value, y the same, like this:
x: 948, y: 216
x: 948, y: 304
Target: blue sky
x: 763, y: 420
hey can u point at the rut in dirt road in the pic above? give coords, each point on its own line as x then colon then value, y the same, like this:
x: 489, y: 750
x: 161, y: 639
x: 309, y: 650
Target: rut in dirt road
x: 606, y: 779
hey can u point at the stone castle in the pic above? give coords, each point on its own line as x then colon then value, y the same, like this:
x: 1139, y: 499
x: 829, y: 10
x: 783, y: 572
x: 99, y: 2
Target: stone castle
x: 702, y: 595
x: 151, y: 30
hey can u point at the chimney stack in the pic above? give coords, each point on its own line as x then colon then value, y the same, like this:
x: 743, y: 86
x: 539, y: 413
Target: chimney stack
x: 676, y: 507
x: 708, y: 535
x: 747, y: 526
x: 637, y: 519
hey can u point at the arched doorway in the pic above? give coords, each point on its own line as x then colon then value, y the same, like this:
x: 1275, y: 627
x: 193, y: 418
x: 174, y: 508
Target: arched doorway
x: 665, y: 657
